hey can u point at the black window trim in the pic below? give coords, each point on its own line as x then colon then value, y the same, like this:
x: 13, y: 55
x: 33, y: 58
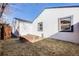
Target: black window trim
x: 71, y: 17
x: 40, y: 28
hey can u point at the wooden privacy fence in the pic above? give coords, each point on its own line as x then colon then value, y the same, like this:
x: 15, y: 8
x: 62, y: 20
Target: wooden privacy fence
x: 5, y: 31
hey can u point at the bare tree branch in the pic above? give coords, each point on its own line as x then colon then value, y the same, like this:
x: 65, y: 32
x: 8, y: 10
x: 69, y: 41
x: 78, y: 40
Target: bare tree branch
x: 2, y: 8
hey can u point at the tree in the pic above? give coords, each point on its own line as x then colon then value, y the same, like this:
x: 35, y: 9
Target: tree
x: 2, y: 8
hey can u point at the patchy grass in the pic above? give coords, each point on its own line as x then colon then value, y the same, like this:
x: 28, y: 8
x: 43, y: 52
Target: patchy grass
x: 46, y: 47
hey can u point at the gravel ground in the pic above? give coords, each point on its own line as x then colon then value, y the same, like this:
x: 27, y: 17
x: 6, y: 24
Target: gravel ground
x: 46, y: 47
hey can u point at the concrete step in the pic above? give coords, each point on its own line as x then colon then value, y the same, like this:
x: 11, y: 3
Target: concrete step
x: 31, y: 38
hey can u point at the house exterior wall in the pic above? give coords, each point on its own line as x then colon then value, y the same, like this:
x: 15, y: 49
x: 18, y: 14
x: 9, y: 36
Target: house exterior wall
x: 14, y: 27
x: 25, y: 28
x: 50, y: 17
x: 22, y: 28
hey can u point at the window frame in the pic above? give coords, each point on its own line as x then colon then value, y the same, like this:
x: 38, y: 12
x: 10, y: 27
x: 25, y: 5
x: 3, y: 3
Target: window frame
x: 40, y: 26
x: 59, y: 21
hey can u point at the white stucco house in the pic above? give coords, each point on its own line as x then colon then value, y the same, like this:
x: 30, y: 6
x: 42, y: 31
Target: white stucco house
x: 55, y: 22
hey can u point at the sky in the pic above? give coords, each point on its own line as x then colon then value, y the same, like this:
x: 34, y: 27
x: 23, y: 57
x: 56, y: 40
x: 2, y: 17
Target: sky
x: 29, y: 11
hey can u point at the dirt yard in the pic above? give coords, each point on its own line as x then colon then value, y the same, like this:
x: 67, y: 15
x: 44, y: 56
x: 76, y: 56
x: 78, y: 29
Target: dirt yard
x: 46, y: 47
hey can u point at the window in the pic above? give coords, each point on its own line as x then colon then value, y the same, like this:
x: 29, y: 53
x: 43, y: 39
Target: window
x: 40, y: 26
x: 65, y: 24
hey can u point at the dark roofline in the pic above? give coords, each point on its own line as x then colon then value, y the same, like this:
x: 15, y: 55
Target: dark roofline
x: 48, y: 8
x: 57, y: 7
x: 23, y: 20
x: 63, y: 7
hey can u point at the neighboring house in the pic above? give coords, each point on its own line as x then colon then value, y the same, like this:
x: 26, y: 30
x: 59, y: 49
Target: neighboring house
x: 55, y: 22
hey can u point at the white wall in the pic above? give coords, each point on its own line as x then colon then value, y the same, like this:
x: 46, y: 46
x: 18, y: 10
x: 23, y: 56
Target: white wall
x: 49, y: 17
x: 14, y: 27
x: 24, y: 28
